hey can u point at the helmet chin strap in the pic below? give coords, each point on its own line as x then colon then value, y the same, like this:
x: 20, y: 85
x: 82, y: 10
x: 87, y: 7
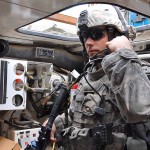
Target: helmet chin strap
x: 123, y: 21
x: 85, y: 55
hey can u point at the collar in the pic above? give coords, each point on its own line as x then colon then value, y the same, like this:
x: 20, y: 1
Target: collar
x: 95, y: 73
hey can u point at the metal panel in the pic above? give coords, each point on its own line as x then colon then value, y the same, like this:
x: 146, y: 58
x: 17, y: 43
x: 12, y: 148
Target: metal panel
x: 14, y: 99
x: 13, y: 16
x: 54, y: 5
x: 48, y: 6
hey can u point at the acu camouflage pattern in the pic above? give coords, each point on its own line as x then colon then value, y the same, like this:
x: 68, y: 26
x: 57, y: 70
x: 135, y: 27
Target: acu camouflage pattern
x: 129, y: 83
x: 126, y: 84
x: 102, y: 15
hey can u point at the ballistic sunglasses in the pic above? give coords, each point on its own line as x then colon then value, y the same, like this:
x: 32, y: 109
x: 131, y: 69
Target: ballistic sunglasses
x: 93, y: 33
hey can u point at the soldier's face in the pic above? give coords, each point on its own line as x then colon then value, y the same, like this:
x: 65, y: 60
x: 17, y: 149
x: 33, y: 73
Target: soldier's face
x: 95, y: 43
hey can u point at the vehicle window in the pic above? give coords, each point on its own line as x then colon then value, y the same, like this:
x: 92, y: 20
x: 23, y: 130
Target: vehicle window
x: 60, y: 25
x: 63, y: 24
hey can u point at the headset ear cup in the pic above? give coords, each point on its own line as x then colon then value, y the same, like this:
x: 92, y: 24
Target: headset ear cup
x: 111, y: 33
x: 84, y: 49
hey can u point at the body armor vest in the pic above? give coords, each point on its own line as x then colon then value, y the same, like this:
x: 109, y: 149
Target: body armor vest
x: 90, y: 108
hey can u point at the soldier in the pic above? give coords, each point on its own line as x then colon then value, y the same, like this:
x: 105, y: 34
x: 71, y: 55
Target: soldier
x: 111, y: 107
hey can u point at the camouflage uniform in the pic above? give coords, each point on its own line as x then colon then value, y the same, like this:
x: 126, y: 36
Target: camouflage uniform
x: 125, y: 84
x: 123, y: 89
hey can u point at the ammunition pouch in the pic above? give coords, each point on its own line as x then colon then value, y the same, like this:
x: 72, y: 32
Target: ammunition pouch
x: 102, y: 134
x: 107, y: 136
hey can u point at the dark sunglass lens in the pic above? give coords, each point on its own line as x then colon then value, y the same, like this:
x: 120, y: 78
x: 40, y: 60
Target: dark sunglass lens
x: 94, y: 34
x: 97, y: 34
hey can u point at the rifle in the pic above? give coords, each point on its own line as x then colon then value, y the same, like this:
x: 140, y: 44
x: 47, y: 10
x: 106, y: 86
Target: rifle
x: 44, y: 134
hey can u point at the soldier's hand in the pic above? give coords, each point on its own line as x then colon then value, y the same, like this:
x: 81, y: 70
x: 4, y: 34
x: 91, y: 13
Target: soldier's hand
x: 118, y: 43
x: 52, y: 134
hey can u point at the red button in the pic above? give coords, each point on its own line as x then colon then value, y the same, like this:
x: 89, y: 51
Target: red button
x: 75, y: 86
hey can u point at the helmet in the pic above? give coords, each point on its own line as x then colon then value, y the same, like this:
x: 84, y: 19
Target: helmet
x: 102, y: 15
